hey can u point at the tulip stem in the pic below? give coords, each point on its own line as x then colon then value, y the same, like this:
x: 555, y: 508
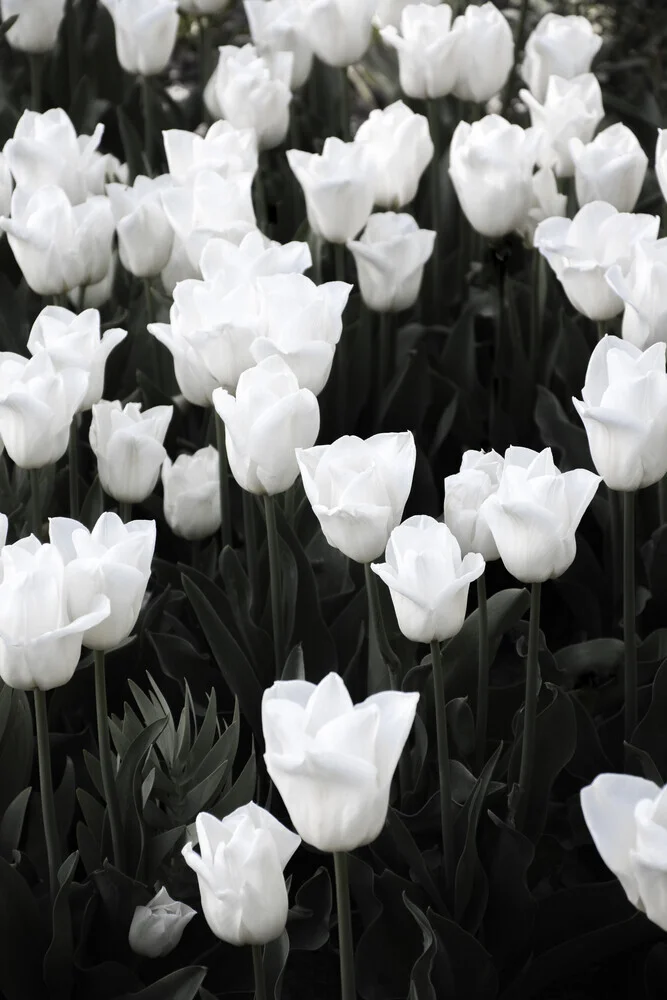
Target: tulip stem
x: 46, y: 790
x: 344, y: 106
x: 629, y: 616
x: 434, y: 175
x: 662, y: 500
x: 601, y: 329
x: 538, y: 286
x: 125, y: 511
x: 446, y: 814
x: 73, y: 461
x: 376, y: 626
x: 251, y: 553
x: 36, y: 67
x: 348, y: 990
x: 34, y: 505
x: 340, y: 357
x: 530, y: 706
x: 481, y: 721
x: 225, y: 497
x: 383, y: 360
x: 106, y: 761
x: 258, y: 969
x: 275, y: 576
x: 147, y: 107
x: 261, y: 207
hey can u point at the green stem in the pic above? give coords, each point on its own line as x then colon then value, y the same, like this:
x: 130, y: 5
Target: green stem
x: 530, y: 706
x: 149, y: 139
x: 519, y: 40
x: 276, y: 583
x: 340, y: 357
x: 73, y: 461
x: 629, y: 616
x: 46, y: 790
x: 36, y: 68
x: 316, y: 250
x: 106, y: 761
x: 348, y: 989
x: 662, y: 500
x: 376, y: 625
x: 499, y: 345
x: 204, y: 46
x: 600, y: 329
x: 258, y: 969
x: 383, y: 359
x: 614, y: 500
x: 344, y: 106
x: 434, y: 176
x: 261, y: 209
x: 125, y: 511
x: 481, y: 721
x: 148, y: 300
x: 446, y: 814
x: 35, y: 505
x: 73, y: 49
x: 535, y: 313
x: 251, y: 550
x: 225, y: 496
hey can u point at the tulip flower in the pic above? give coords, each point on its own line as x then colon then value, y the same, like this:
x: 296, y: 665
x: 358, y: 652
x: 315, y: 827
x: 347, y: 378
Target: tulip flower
x: 426, y: 46
x: 582, y: 250
x: 279, y: 26
x: 128, y: 445
x: 491, y: 166
x: 338, y: 187
x: 571, y: 109
x: 484, y: 47
x: 145, y: 33
x: 38, y: 24
x: 6, y: 186
x: 192, y: 494
x: 390, y: 256
x: 546, y: 203
x: 400, y: 147
x: 200, y: 8
x: 661, y: 161
x: 240, y: 874
x: 157, y: 927
x: 358, y: 490
x: 339, y: 31
x: 559, y: 46
x: 611, y: 168
x: 232, y: 264
x: 269, y: 417
x: 389, y: 12
x: 145, y: 237
x: 252, y: 91
x: 644, y: 293
x: 97, y: 295
x: 224, y: 149
x: 465, y: 493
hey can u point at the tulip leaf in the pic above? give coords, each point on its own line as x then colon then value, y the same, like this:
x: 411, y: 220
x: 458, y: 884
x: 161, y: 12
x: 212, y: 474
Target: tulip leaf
x: 16, y: 744
x: 509, y: 917
x: 276, y: 954
x: 160, y: 846
x: 568, y: 439
x: 294, y: 669
x: 241, y: 792
x: 23, y: 938
x: 180, y: 985
x: 421, y: 984
x: 310, y: 915
x: 65, y: 798
x: 58, y: 961
x: 89, y: 847
x: 469, y: 968
x: 11, y: 824
x: 470, y: 880
x: 8, y: 23
x: 649, y: 736
x: 406, y: 846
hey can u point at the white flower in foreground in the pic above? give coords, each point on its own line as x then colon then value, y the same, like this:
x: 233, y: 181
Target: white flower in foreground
x: 191, y: 487
x: 280, y: 26
x: 339, y: 31
x: 390, y: 256
x: 611, y: 168
x: 571, y: 109
x: 484, y: 47
x: 38, y: 24
x: 400, y: 147
x: 644, y: 293
x: 465, y: 492
x: 389, y: 12
x: 145, y: 237
x: 558, y: 46
x: 255, y: 256
x: 145, y: 33
x: 129, y: 448
x: 426, y: 46
x: 661, y: 161
x: 158, y: 926
x: 199, y: 7
x: 224, y: 149
x: 6, y: 186
x: 546, y: 203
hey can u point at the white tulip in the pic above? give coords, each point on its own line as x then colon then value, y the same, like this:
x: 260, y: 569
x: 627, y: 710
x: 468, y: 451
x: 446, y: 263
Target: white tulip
x: 644, y: 293
x: 390, y: 256
x: 465, y: 492
x: 202, y: 7
x: 145, y: 33
x: 191, y: 487
x: 661, y: 161
x: 611, y: 168
x: 38, y: 24
x: 279, y: 26
x: 484, y: 47
x: 339, y: 31
x: 6, y: 186
x: 128, y: 445
x: 338, y: 186
x: 546, y: 203
x: 400, y: 147
x: 255, y: 256
x: 157, y: 927
x: 571, y: 109
x: 426, y: 46
x: 389, y: 12
x: 98, y: 294
x: 558, y: 46
x: 145, y: 236
x: 224, y: 149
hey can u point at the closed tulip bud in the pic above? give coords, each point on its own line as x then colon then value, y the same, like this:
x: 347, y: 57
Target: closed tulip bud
x: 546, y: 202
x: 333, y: 761
x: 626, y: 817
x: 358, y: 490
x: 252, y: 91
x: 128, y: 445
x: 559, y: 46
x: 426, y: 47
x: 240, y: 873
x: 254, y: 257
x: 611, y: 168
x: 75, y: 341
x: 465, y: 492
x: 40, y: 641
x: 338, y: 186
x: 114, y: 560
x: 390, y: 257
x: 389, y: 12
x: 535, y: 512
x: 37, y: 406
x: 158, y: 926
x: 624, y: 412
x: 484, y: 52
x: 491, y: 166
x: 400, y: 147
x: 192, y: 494
x: 572, y: 109
x: 582, y: 250
x: 6, y: 186
x: 145, y: 236
x: 38, y: 24
x: 145, y: 33
x: 427, y: 579
x: 661, y: 161
x: 268, y: 419
x: 97, y: 295
x: 339, y: 31
x: 644, y: 293
x: 202, y: 7
x: 279, y: 26
x: 224, y: 149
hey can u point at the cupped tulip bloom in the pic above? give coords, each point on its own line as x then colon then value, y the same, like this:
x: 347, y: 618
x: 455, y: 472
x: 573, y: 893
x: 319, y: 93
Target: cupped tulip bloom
x: 97, y: 295
x: 644, y: 293
x: 113, y: 560
x: 358, y: 490
x: 389, y: 12
x: 390, y: 256
x: 339, y: 31
x: 129, y: 448
x: 6, y: 186
x: 582, y: 250
x: 338, y: 186
x: 611, y: 168
x: 627, y: 818
x: 484, y: 47
x: 572, y: 109
x: 400, y: 147
x: 145, y: 33
x: 491, y: 166
x: 37, y: 406
x: 427, y: 579
x: 224, y: 149
x: 240, y: 873
x: 661, y: 161
x: 191, y: 487
x: 279, y: 26
x: 252, y: 91
x: 75, y: 341
x: 202, y: 7
x: 157, y: 927
x: 624, y: 412
x: 269, y: 417
x: 333, y: 761
x: 426, y: 47
x: 38, y: 24
x: 40, y: 642
x: 562, y: 46
x: 145, y: 236
x: 255, y: 256
x: 546, y: 203
x: 535, y: 512
x: 465, y: 493
x: 59, y: 247
x: 4, y: 526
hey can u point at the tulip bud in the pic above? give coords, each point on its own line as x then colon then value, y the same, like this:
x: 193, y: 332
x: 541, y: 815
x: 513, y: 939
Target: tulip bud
x: 255, y: 256
x: 224, y: 149
x: 128, y: 445
x: 38, y: 24
x: 491, y: 166
x: 400, y: 148
x: 339, y: 31
x: 6, y: 186
x: 278, y: 26
x: 40, y: 642
x: 252, y: 91
x: 559, y: 46
x: 390, y: 257
x: 546, y: 202
x: 535, y: 512
x: 624, y: 412
x: 611, y: 168
x: 389, y: 12
x: 661, y: 161
x: 333, y: 761
x: 145, y: 33
x: 158, y: 927
x: 338, y: 186
x: 571, y: 109
x: 358, y: 490
x: 97, y: 295
x: 192, y: 494
x: 465, y: 492
x: 202, y: 7
x: 145, y: 237
x: 582, y: 250
x: 644, y: 293
x: 268, y: 419
x: 426, y: 47
x: 240, y: 874
x: 484, y: 47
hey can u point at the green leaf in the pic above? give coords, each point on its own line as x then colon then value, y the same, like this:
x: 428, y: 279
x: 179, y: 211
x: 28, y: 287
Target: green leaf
x: 8, y: 23
x: 276, y: 954
x: 421, y: 985
x: 180, y: 985
x: 294, y: 669
x: 310, y: 916
x: 406, y: 846
x: 11, y: 824
x: 59, y: 959
x: 22, y: 936
x: 470, y: 878
x: 16, y: 744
